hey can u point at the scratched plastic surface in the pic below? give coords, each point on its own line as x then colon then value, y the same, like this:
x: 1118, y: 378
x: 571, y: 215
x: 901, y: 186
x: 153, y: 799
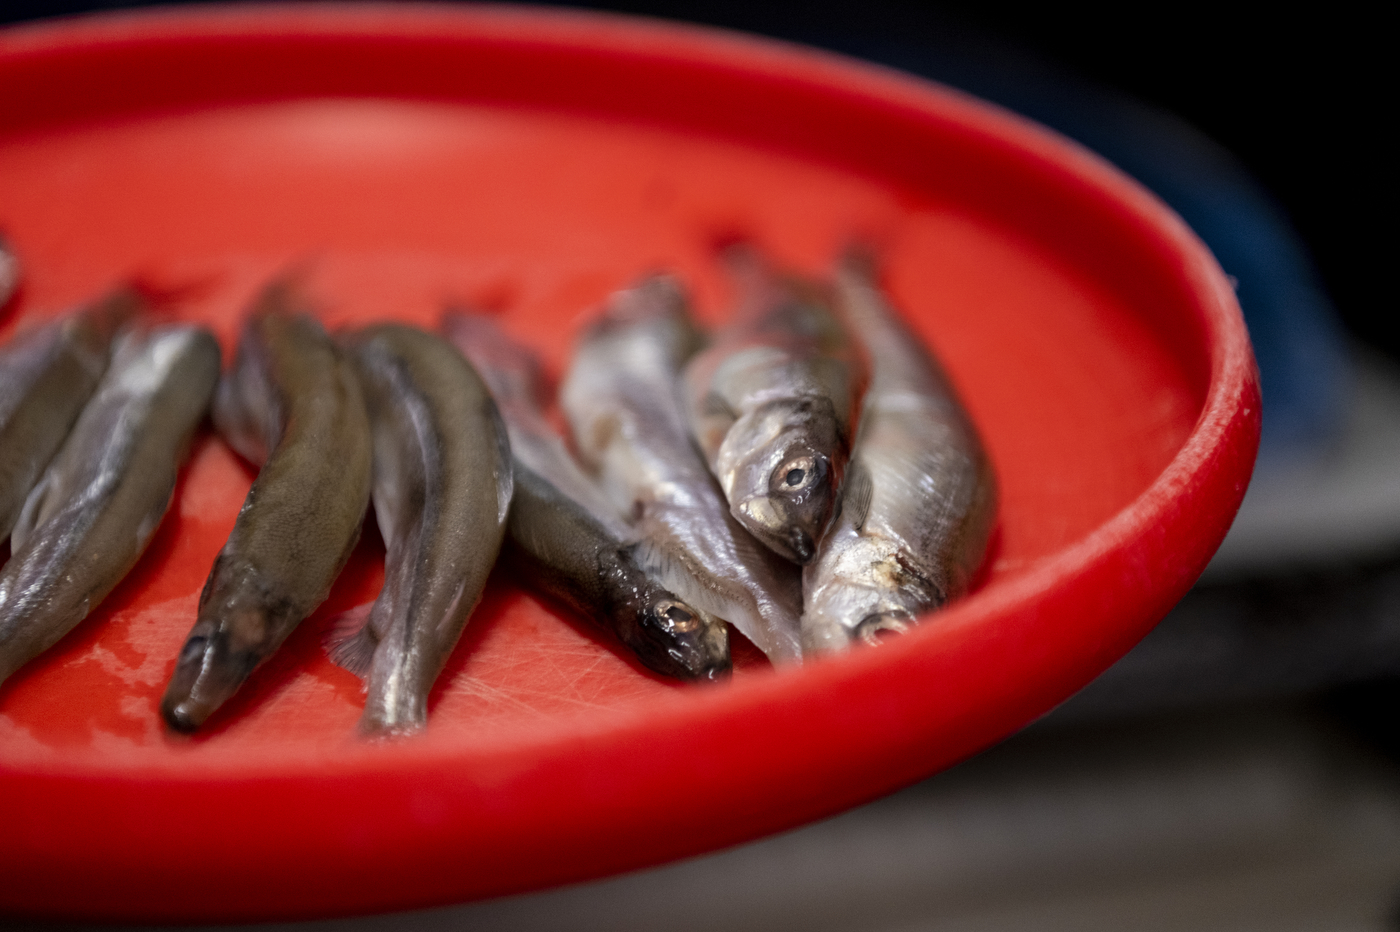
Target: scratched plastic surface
x: 1084, y: 385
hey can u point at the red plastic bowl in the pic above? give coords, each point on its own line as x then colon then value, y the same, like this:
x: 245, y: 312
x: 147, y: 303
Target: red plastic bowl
x: 534, y: 161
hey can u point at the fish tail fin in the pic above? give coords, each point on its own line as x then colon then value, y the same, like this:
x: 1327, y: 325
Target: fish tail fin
x: 158, y: 295
x: 351, y: 642
x: 863, y: 258
x: 658, y: 296
x: 511, y: 370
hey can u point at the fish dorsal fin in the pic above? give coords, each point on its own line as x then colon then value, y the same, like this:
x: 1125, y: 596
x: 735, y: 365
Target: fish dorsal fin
x: 351, y: 642
x: 855, y: 501
x: 716, y: 419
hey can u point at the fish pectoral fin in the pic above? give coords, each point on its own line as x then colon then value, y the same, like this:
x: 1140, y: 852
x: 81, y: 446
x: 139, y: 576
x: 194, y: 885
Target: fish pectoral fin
x: 351, y: 642
x: 714, y: 405
x: 855, y: 500
x: 241, y: 415
x: 28, y: 518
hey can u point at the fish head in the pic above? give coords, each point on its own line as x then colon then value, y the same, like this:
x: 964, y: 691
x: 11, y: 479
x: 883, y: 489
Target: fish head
x: 868, y: 618
x: 828, y: 636
x: 674, y: 638
x: 862, y: 592
x: 211, y: 666
x: 781, y: 466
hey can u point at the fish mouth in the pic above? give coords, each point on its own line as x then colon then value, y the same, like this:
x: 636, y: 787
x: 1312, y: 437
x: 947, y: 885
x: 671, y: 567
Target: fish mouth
x: 702, y: 666
x: 717, y: 673
x: 876, y: 629
x: 205, y: 676
x: 381, y: 727
x: 804, y: 549
x: 184, y: 716
x: 184, y: 706
x: 769, y: 519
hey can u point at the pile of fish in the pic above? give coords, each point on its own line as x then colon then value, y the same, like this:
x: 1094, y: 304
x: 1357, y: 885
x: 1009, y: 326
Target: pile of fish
x: 805, y: 474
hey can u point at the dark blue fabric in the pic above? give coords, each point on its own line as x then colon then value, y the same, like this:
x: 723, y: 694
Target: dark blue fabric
x: 1300, y: 344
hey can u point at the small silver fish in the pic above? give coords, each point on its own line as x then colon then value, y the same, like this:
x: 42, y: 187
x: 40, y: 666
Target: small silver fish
x: 620, y: 397
x: 920, y: 496
x: 100, y: 501
x: 293, y: 405
x: 567, y: 539
x: 9, y: 272
x: 442, y: 489
x: 517, y: 382
x: 46, y: 376
x: 771, y: 403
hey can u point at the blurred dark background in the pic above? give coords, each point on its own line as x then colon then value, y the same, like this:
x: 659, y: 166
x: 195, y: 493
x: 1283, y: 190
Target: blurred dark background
x: 1298, y: 98
x: 1241, y: 768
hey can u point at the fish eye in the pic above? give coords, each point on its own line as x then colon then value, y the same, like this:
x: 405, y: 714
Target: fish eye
x: 797, y: 474
x: 676, y: 617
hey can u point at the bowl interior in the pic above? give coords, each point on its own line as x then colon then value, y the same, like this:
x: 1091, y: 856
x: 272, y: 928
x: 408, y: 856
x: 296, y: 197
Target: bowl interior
x: 393, y: 209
